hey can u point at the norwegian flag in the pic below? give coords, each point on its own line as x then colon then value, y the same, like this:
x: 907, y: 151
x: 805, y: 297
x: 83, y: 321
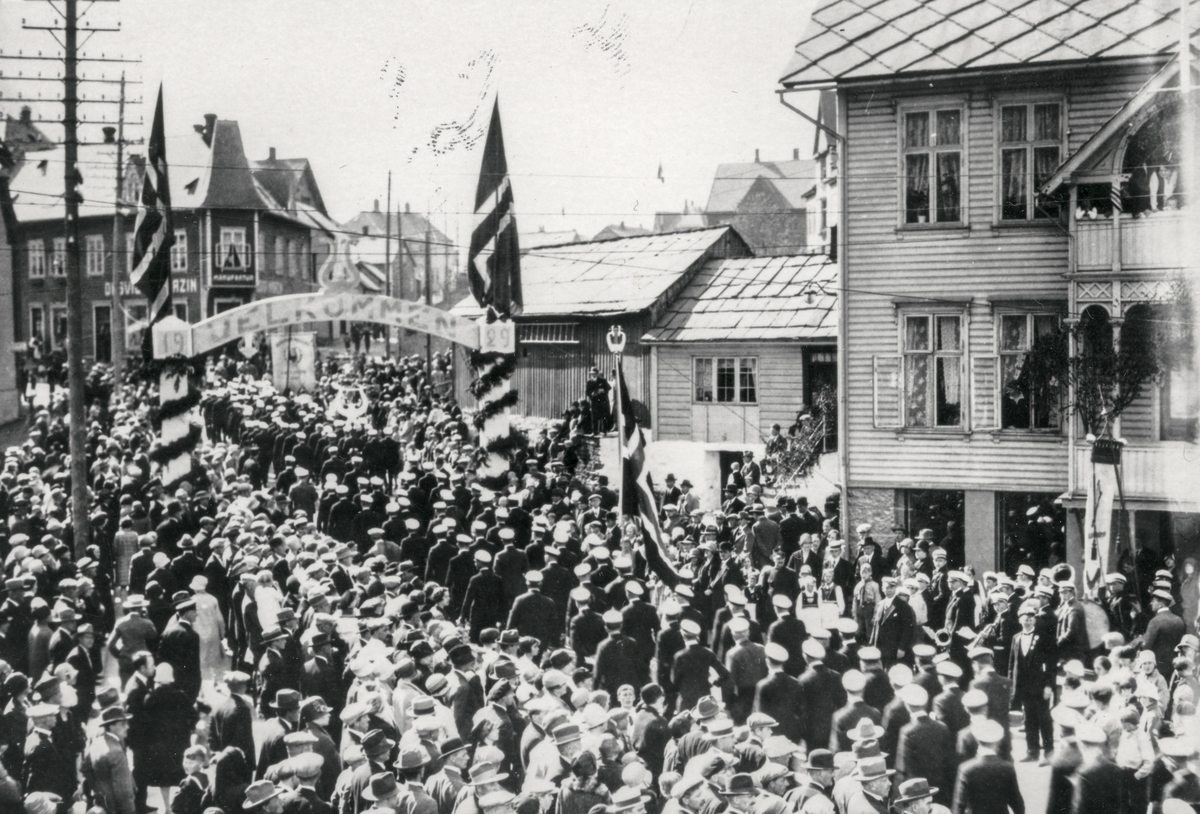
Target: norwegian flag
x: 637, y: 491
x: 154, y: 234
x: 494, y: 259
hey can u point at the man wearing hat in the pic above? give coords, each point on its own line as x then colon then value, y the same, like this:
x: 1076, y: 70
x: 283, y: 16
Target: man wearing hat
x: 112, y: 780
x: 895, y: 624
x: 640, y: 621
x: 87, y: 670
x: 263, y: 797
x: 960, y: 613
x: 483, y: 602
x: 875, y: 779
x: 1032, y: 668
x: 823, y: 693
x: 690, y: 672
x: 779, y: 695
x: 535, y: 614
x: 1123, y: 615
x: 916, y: 797
x: 47, y: 766
x: 180, y: 647
x: 1164, y: 631
x: 133, y: 633
x: 232, y: 720
x: 1098, y: 782
x: 788, y: 632
x: 1071, y: 630
x: 273, y: 747
x: 618, y: 658
x: 926, y: 746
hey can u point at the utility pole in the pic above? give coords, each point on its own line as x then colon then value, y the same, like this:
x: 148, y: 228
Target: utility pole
x: 428, y: 301
x: 80, y: 497
x: 399, y: 283
x: 117, y: 337
x: 387, y: 262
x: 80, y: 503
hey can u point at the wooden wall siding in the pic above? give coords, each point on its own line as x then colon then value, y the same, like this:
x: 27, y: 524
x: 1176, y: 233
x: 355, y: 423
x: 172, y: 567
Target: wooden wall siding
x: 780, y: 386
x: 550, y: 377
x: 887, y: 265
x: 1155, y: 242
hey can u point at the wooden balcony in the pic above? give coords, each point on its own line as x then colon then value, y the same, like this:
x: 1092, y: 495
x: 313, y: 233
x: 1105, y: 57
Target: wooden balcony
x: 1161, y: 472
x: 1147, y: 243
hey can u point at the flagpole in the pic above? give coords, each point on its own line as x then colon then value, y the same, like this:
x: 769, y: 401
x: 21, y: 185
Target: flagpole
x: 616, y: 346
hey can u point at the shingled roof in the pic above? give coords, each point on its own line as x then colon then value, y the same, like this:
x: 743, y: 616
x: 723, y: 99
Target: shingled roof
x: 755, y: 298
x: 850, y: 40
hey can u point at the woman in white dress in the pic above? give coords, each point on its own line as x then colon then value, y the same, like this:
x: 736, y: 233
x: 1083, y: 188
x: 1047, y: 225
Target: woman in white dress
x: 210, y: 626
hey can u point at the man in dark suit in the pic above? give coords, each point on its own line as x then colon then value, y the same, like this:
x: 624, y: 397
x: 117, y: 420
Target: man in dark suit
x: 895, y: 714
x: 996, y: 687
x: 618, y: 659
x: 947, y: 705
x: 587, y: 627
x: 789, y: 632
x: 1164, y: 632
x: 87, y: 670
x: 483, y: 603
x: 926, y: 747
x: 641, y: 622
x: 1071, y: 631
x: 960, y: 613
x: 895, y: 624
x: 1031, y: 669
x: 47, y: 767
x: 690, y: 671
x: 1098, y: 782
x: 823, y: 695
x: 319, y: 677
x: 180, y: 647
x: 535, y: 614
x: 232, y: 722
x: 855, y: 711
x: 650, y: 730
x: 466, y: 689
x: 987, y: 784
x: 273, y: 749
x: 139, y: 738
x: 780, y: 695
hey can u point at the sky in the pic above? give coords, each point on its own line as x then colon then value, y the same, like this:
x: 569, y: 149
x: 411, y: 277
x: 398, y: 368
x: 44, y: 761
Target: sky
x: 594, y: 96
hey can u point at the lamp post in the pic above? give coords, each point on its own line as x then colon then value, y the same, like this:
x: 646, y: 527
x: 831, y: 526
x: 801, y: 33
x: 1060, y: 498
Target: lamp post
x: 616, y: 346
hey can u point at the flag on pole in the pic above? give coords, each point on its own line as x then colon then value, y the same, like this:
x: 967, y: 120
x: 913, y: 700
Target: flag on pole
x: 637, y: 491
x: 494, y: 259
x: 153, y: 234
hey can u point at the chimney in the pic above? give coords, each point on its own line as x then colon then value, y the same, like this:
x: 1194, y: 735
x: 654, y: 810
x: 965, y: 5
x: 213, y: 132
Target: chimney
x: 210, y: 124
x: 110, y: 135
x: 376, y: 204
x: 407, y: 210
x: 26, y: 115
x: 795, y: 153
x: 755, y: 155
x: 271, y: 155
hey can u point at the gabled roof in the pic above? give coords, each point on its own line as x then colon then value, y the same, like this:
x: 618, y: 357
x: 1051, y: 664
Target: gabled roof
x: 755, y: 298
x: 412, y: 225
x: 859, y: 39
x: 733, y: 181
x: 619, y: 230
x: 534, y: 240
x: 291, y: 182
x: 618, y: 276
x: 37, y: 185
x: 1103, y: 141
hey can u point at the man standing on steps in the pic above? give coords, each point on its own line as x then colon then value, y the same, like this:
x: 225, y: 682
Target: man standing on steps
x: 1032, y: 669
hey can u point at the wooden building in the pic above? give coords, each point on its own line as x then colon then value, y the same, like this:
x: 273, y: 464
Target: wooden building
x: 950, y: 118
x: 575, y: 292
x: 744, y: 346
x: 765, y: 201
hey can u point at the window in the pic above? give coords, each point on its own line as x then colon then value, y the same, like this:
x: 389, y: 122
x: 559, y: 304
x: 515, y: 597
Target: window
x: 933, y: 166
x: 180, y: 309
x: 233, y: 251
x: 278, y: 259
x: 102, y: 333
x: 1026, y: 404
x: 37, y: 323
x: 1180, y: 402
x: 179, y: 251
x: 58, y: 326
x: 37, y: 259
x: 548, y: 333
x: 94, y: 263
x: 58, y: 260
x: 726, y: 380
x: 293, y: 257
x: 1030, y: 147
x: 933, y: 370
x: 129, y: 251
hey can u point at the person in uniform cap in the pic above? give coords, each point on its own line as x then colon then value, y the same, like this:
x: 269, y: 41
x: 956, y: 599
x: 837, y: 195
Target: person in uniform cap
x: 483, y: 603
x: 789, y: 632
x: 180, y: 647
x: 618, y: 658
x: 1032, y: 668
x: 987, y: 783
x: 823, y: 693
x: 847, y: 720
x: 535, y: 614
x: 926, y: 746
x: 691, y: 669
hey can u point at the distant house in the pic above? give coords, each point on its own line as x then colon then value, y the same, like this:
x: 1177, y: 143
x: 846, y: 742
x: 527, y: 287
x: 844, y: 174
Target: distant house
x: 620, y: 230
x: 821, y: 201
x: 574, y: 293
x: 691, y: 217
x: 535, y: 240
x: 424, y: 265
x: 765, y: 201
x: 744, y: 345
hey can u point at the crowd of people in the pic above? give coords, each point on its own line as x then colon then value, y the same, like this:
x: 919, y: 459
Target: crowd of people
x: 334, y: 614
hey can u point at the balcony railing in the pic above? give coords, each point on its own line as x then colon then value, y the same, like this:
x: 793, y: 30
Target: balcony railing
x: 1148, y: 242
x: 1162, y: 472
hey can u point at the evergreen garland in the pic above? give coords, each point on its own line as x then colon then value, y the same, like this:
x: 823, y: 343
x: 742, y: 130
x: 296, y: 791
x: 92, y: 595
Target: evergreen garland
x: 491, y: 378
x: 180, y: 446
x: 175, y: 408
x: 493, y: 409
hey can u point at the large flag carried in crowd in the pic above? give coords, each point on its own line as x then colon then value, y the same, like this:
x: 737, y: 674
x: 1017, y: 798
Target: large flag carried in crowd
x: 153, y: 234
x: 494, y: 260
x: 637, y: 491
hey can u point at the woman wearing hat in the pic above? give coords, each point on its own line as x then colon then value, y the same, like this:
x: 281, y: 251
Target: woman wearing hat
x: 582, y: 789
x: 172, y: 716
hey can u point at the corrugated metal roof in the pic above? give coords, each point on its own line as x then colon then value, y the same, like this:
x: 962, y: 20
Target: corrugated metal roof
x: 733, y: 181
x: 859, y: 39
x: 754, y: 299
x: 624, y: 275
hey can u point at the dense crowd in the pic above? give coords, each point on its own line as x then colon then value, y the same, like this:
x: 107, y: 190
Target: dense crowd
x: 334, y: 614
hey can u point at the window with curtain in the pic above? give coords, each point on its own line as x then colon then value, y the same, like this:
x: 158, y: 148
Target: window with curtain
x: 932, y: 164
x: 1026, y: 404
x: 933, y: 376
x: 1030, y: 151
x: 725, y: 380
